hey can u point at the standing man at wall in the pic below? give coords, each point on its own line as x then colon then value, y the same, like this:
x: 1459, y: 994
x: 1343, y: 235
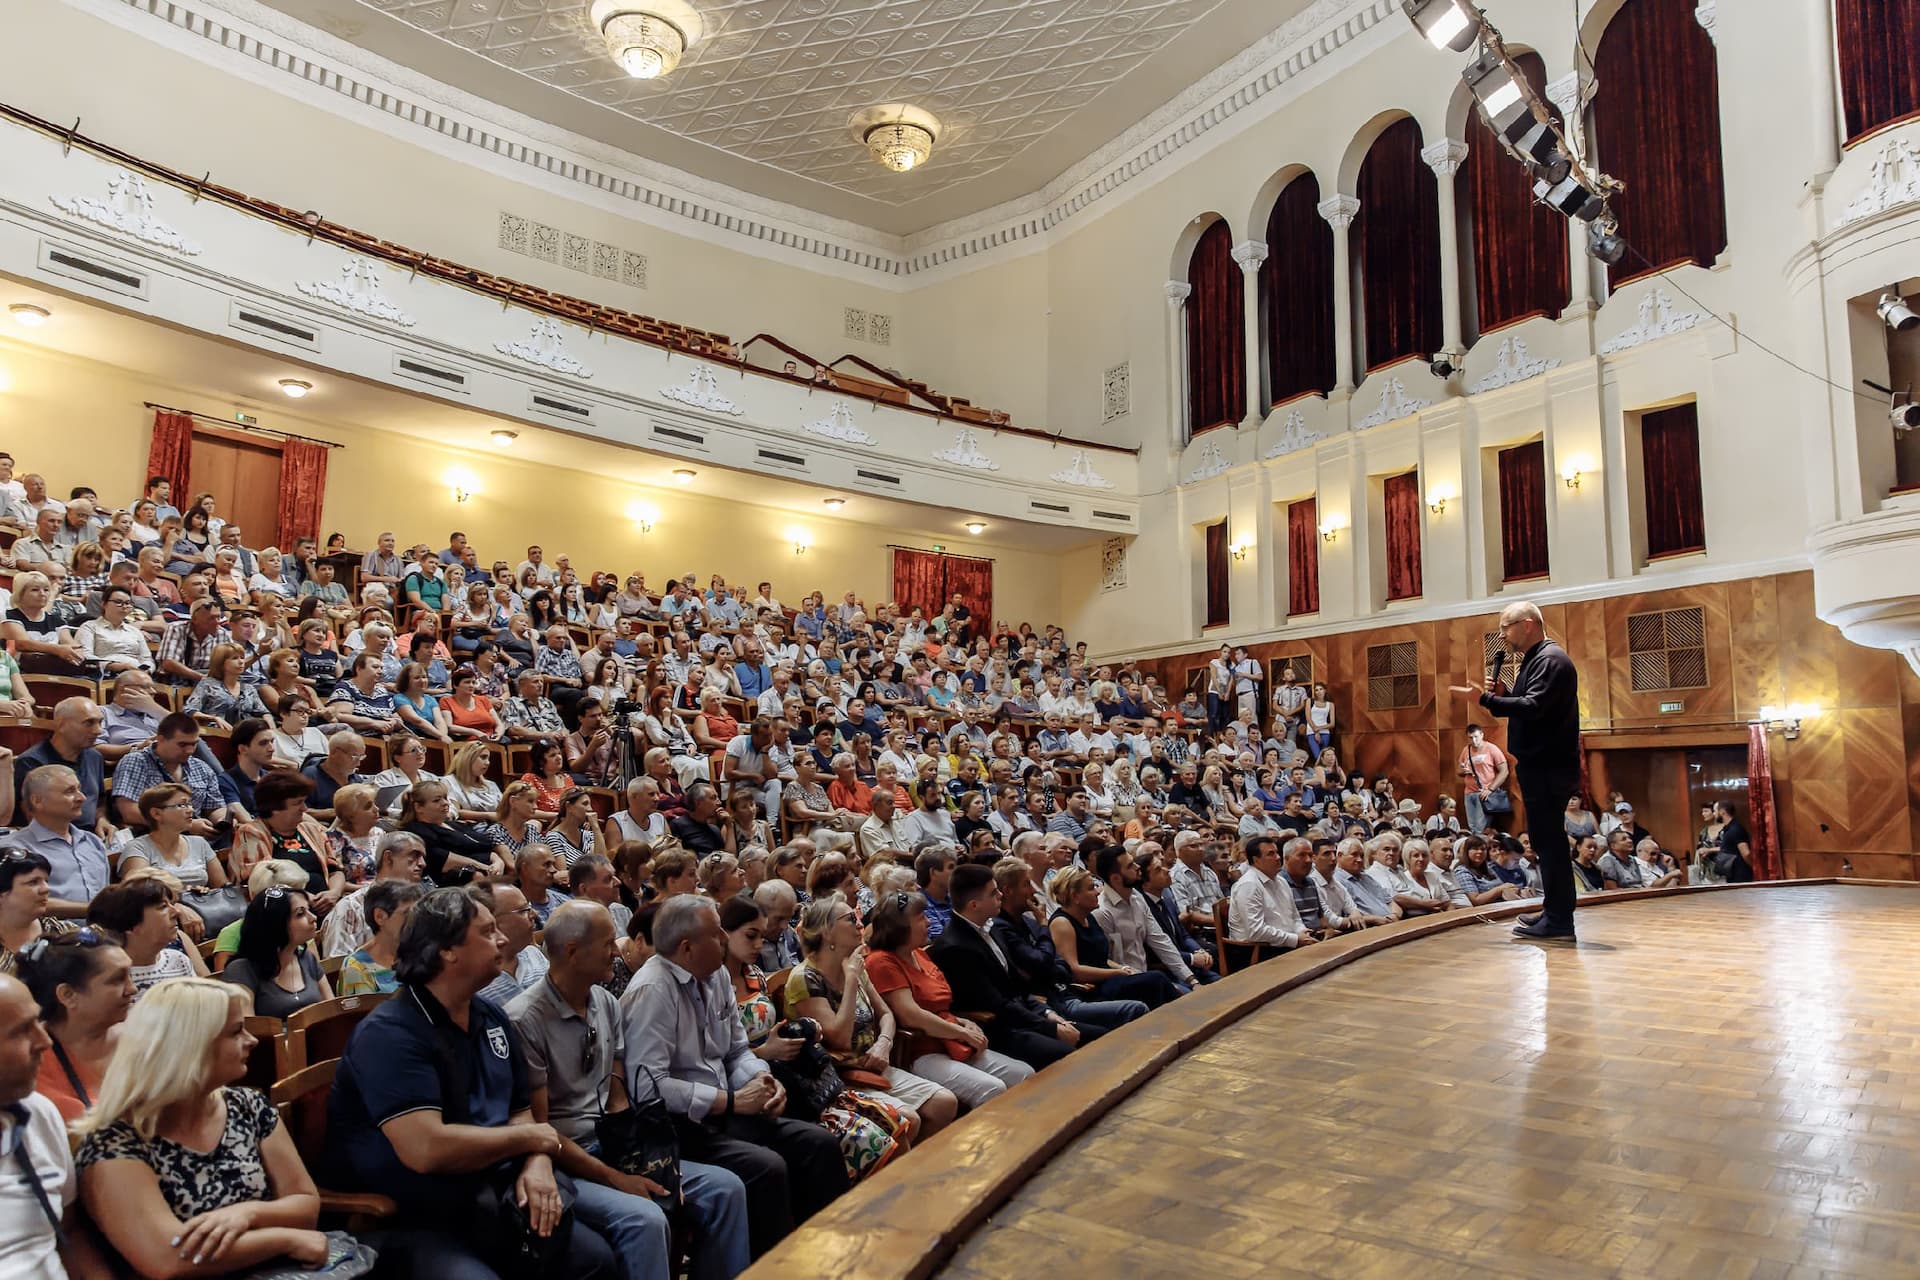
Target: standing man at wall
x: 1543, y: 735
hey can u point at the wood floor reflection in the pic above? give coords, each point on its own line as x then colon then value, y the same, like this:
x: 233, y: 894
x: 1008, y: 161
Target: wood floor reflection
x: 1730, y: 1086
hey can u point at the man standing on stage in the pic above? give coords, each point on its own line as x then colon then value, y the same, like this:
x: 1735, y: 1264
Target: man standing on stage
x: 1543, y: 736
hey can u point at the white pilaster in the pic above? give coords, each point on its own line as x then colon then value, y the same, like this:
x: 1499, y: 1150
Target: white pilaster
x: 1178, y: 291
x: 1250, y: 254
x: 1340, y: 211
x: 1569, y: 97
x: 1445, y: 158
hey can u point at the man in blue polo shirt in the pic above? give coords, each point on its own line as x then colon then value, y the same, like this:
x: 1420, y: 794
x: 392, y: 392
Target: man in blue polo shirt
x: 431, y: 1106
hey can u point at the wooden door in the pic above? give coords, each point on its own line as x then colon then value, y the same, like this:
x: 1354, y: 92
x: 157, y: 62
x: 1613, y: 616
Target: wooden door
x: 243, y: 475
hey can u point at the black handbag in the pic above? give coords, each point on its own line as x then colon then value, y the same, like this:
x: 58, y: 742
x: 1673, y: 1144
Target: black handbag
x: 641, y: 1141
x: 1495, y: 800
x: 810, y: 1078
x: 217, y: 908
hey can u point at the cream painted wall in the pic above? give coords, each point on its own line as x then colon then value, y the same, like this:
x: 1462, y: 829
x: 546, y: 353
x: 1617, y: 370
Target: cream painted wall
x: 81, y: 422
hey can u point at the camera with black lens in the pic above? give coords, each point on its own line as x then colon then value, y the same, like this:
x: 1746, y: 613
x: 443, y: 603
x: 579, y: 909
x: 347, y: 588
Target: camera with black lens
x: 805, y: 1030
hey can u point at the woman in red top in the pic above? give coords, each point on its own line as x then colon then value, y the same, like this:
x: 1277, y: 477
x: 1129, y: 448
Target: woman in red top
x: 548, y: 777
x: 83, y: 983
x: 469, y: 711
x: 952, y: 1052
x: 846, y: 791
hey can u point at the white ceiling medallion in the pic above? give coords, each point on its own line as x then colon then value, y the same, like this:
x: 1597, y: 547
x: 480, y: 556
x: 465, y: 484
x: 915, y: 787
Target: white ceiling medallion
x: 357, y: 290
x: 1080, y: 473
x: 1395, y: 404
x: 1893, y: 180
x: 838, y: 425
x: 965, y: 452
x: 1657, y: 320
x: 1294, y: 436
x: 1212, y: 463
x: 544, y: 347
x: 1512, y: 364
x: 701, y: 390
x: 128, y: 209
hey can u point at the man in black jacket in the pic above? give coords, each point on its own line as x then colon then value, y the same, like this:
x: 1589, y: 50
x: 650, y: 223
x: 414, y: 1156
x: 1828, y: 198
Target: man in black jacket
x: 1036, y: 969
x: 1543, y: 737
x: 982, y: 979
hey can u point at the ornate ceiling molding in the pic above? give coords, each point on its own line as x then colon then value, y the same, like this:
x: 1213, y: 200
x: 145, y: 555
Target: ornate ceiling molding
x: 269, y: 48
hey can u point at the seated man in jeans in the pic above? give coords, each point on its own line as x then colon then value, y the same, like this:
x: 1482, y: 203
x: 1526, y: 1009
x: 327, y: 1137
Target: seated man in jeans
x: 570, y: 1030
x: 432, y: 1106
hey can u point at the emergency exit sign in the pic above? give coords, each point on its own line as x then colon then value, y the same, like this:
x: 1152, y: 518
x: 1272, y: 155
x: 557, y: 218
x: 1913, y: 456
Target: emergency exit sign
x: 1672, y: 708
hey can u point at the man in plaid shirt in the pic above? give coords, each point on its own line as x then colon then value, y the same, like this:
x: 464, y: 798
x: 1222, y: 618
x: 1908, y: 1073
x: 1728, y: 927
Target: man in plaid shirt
x: 171, y: 759
x: 187, y: 646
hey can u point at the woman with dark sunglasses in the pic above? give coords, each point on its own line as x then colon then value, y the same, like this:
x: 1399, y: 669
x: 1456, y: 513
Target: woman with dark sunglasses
x: 83, y: 983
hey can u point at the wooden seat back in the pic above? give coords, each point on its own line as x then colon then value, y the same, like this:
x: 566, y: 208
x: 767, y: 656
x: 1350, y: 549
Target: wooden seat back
x: 321, y: 1031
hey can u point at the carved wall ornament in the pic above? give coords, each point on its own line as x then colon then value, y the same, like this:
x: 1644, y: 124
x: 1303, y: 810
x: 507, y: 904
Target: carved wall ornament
x: 1250, y: 254
x: 544, y: 347
x: 965, y: 452
x: 1707, y: 13
x: 1657, y: 320
x: 1893, y: 180
x: 1395, y: 404
x: 1113, y: 565
x: 1117, y: 392
x: 1445, y: 157
x: 1339, y: 211
x: 701, y: 390
x: 1212, y: 463
x: 838, y: 425
x: 1080, y: 473
x: 127, y: 209
x: 358, y: 290
x: 1513, y: 364
x: 1294, y: 436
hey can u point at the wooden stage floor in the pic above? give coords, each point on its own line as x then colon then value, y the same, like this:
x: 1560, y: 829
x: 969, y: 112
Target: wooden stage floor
x: 1714, y: 1085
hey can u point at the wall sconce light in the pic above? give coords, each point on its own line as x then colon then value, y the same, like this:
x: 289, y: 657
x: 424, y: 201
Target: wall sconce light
x: 642, y: 515
x: 1241, y: 547
x: 1437, y: 499
x: 1571, y: 470
x: 801, y: 540
x: 1330, y: 528
x: 461, y: 493
x: 1786, y: 720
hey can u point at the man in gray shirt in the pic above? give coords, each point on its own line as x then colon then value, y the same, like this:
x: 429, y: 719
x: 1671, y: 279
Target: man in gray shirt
x: 571, y: 1035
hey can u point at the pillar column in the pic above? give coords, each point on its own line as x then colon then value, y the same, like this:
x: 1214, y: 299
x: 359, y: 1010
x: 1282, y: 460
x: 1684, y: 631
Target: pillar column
x: 1250, y: 254
x: 1824, y: 119
x: 1340, y: 211
x: 1178, y: 291
x: 1445, y: 158
x: 1568, y: 95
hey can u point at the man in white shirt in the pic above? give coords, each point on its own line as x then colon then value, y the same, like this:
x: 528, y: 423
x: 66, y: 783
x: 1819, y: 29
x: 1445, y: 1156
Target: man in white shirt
x: 534, y: 572
x: 35, y: 1160
x: 1254, y: 820
x: 1262, y: 905
x: 1129, y: 925
x: 1336, y: 904
x: 747, y: 762
x: 930, y: 821
x: 883, y: 829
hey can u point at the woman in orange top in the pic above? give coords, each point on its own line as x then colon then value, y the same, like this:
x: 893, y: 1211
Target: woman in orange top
x: 846, y: 791
x: 715, y: 726
x: 83, y: 983
x: 549, y: 779
x: 469, y: 712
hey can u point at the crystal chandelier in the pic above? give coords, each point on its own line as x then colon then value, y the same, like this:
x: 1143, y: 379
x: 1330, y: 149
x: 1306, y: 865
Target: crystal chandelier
x: 644, y: 44
x: 900, y: 146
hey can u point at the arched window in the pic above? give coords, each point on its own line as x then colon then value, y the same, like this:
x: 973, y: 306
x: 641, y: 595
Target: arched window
x: 1879, y: 73
x: 1216, y: 333
x: 1396, y: 250
x: 1296, y: 295
x: 1656, y: 127
x: 1518, y: 247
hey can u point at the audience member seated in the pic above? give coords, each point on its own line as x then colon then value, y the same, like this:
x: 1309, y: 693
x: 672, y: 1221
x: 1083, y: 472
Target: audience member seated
x: 52, y: 801
x: 976, y: 967
x: 456, y: 851
x: 141, y: 914
x: 336, y: 770
x: 77, y: 723
x: 400, y: 855
x: 286, y: 830
x: 1156, y: 887
x: 368, y: 970
x: 274, y: 961
x: 1263, y: 907
x: 698, y: 828
x: 536, y: 870
x: 1087, y: 951
x: 1474, y: 874
x: 82, y: 981
x: 1134, y: 940
x: 37, y: 1188
x: 172, y: 757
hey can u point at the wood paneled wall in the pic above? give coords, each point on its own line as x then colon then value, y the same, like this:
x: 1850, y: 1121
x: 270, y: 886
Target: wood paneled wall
x: 1848, y: 788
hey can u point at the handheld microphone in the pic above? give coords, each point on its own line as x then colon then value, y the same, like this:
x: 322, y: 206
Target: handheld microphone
x: 1499, y: 668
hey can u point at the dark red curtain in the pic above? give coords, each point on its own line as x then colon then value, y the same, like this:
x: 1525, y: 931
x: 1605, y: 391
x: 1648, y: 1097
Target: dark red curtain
x: 1216, y: 569
x: 1303, y: 556
x: 1396, y: 250
x: 1518, y: 247
x: 1656, y: 127
x: 1670, y: 458
x: 919, y: 578
x: 1296, y: 294
x: 1402, y: 502
x: 171, y: 451
x: 1523, y: 511
x: 1879, y: 74
x: 303, y: 488
x: 1216, y: 329
x: 973, y: 579
x: 1764, y: 824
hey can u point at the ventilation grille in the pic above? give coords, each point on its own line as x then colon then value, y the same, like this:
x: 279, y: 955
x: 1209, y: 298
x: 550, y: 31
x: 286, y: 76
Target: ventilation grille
x: 1668, y: 649
x: 552, y: 406
x: 102, y: 273
x: 1051, y: 508
x: 262, y: 323
x: 878, y: 477
x: 680, y: 435
x: 1118, y: 517
x: 780, y: 459
x: 416, y: 370
x: 1302, y: 664
x: 1393, y: 676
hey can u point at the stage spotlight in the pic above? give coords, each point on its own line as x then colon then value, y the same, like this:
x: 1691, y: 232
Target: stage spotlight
x: 1898, y: 315
x: 1605, y: 242
x: 1441, y: 365
x: 1905, y: 414
x: 1449, y: 24
x: 1570, y: 197
x: 1502, y: 97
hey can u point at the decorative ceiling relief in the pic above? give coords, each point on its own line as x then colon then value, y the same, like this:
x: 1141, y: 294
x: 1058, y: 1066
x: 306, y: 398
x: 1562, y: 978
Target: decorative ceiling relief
x: 358, y: 290
x: 1294, y: 436
x: 1657, y: 320
x: 1893, y: 180
x: 701, y: 390
x: 965, y: 452
x: 1212, y: 463
x: 128, y: 210
x: 838, y: 425
x: 545, y: 348
x: 1113, y: 565
x: 1512, y: 364
x: 1395, y: 404
x: 1080, y: 473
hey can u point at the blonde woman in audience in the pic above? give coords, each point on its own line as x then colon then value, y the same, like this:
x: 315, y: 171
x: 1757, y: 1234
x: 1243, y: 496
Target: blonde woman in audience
x: 267, y: 577
x: 475, y: 796
x: 1099, y: 800
x: 896, y: 756
x: 1124, y: 790
x: 409, y: 768
x: 886, y: 776
x: 720, y: 877
x: 353, y: 838
x: 229, y: 584
x: 1436, y: 884
x: 1411, y: 894
x: 223, y: 697
x: 34, y: 635
x: 168, y: 810
x: 515, y: 817
x: 183, y: 1171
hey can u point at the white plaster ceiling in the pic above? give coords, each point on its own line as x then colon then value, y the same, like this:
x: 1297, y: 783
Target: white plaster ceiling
x: 761, y: 102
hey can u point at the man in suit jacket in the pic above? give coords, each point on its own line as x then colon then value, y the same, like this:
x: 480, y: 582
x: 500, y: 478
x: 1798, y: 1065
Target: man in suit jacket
x: 982, y: 979
x: 1035, y: 968
x: 1156, y: 886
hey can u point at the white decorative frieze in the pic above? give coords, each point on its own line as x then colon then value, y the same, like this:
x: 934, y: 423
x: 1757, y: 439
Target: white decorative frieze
x: 838, y: 425
x: 701, y: 390
x: 545, y: 348
x: 1294, y: 436
x: 1395, y: 404
x: 1080, y: 473
x: 965, y: 452
x: 127, y: 209
x: 1212, y: 463
x: 1513, y: 364
x: 1893, y: 180
x: 1445, y: 157
x: 1657, y: 320
x: 1339, y: 211
x: 358, y: 290
x: 1113, y: 565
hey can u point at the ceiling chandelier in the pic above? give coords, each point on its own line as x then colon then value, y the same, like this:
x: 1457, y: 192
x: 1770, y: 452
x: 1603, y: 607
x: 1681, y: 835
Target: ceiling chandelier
x: 645, y: 45
x: 899, y: 145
